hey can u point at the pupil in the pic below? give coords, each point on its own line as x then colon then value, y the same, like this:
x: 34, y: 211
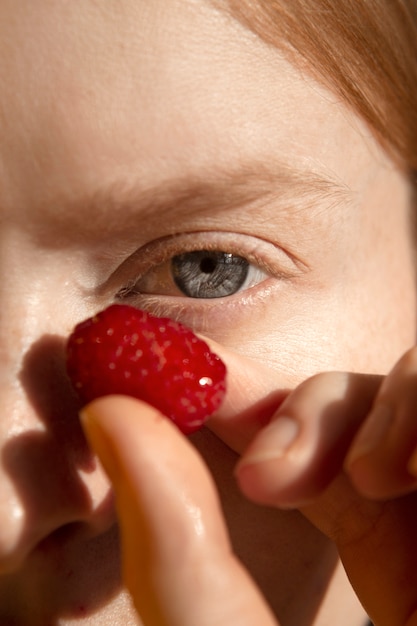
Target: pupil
x: 208, y: 265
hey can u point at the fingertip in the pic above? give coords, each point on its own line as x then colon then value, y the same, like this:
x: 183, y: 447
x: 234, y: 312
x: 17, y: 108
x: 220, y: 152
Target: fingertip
x: 115, y: 427
x: 263, y: 472
x: 120, y: 418
x: 97, y: 436
x: 370, y: 435
x: 257, y: 482
x: 378, y: 476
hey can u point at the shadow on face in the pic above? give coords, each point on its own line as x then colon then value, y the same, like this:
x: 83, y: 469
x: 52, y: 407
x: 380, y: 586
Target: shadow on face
x: 67, y: 552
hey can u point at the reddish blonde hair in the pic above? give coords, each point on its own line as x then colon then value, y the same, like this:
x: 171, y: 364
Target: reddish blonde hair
x: 363, y: 50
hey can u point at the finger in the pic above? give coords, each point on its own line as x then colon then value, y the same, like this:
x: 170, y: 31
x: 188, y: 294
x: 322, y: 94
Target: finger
x: 381, y: 463
x: 293, y: 459
x: 377, y: 544
x: 376, y: 541
x: 177, y: 560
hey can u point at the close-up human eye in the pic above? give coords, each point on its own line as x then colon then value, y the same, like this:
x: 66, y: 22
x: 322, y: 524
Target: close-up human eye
x: 205, y: 274
x: 201, y: 267
x: 209, y: 280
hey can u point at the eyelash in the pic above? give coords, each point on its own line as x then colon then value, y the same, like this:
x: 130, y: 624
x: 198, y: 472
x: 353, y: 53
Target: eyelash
x: 268, y: 260
x: 198, y: 275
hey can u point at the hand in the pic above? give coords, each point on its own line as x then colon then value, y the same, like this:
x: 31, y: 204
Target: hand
x: 342, y: 448
x: 168, y: 507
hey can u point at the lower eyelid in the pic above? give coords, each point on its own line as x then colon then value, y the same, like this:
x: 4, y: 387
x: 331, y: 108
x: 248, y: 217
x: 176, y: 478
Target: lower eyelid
x: 245, y: 297
x: 215, y: 318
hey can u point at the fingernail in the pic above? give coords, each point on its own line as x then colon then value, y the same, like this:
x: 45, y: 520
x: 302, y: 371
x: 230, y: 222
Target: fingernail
x: 372, y: 433
x: 272, y: 442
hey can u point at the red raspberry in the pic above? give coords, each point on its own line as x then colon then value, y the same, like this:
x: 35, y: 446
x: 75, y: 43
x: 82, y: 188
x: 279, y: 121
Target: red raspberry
x: 123, y: 350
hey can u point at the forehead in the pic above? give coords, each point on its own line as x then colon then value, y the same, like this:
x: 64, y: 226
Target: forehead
x: 150, y: 89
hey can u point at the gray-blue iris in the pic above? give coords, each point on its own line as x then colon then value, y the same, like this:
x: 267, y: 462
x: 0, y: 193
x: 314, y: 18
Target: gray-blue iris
x: 208, y: 273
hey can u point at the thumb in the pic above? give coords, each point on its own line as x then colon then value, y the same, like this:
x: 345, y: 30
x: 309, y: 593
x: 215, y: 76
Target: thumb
x: 177, y: 561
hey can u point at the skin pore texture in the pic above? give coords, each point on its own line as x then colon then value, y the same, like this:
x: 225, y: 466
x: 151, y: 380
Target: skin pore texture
x: 132, y: 131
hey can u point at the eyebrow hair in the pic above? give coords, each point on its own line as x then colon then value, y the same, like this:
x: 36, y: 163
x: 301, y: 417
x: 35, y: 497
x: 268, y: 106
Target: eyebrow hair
x: 116, y: 205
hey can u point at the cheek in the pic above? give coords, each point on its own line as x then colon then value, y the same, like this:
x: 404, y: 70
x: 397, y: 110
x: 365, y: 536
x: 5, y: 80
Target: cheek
x: 362, y: 332
x: 357, y: 308
x: 380, y: 295
x: 362, y: 319
x: 383, y: 324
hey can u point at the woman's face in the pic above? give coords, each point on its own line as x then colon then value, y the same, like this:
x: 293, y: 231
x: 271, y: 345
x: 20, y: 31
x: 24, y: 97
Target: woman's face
x: 133, y: 132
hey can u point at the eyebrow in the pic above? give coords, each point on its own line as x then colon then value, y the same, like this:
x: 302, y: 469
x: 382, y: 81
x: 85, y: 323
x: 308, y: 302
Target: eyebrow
x: 122, y: 203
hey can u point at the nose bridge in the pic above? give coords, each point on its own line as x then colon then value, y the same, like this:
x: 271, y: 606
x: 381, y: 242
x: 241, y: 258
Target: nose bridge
x: 20, y: 315
x: 21, y: 427
x: 32, y: 297
x: 46, y: 470
x: 33, y: 325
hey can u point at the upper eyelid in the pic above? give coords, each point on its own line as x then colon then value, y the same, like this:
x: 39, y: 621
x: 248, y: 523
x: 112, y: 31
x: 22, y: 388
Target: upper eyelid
x: 157, y: 252
x: 168, y: 247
